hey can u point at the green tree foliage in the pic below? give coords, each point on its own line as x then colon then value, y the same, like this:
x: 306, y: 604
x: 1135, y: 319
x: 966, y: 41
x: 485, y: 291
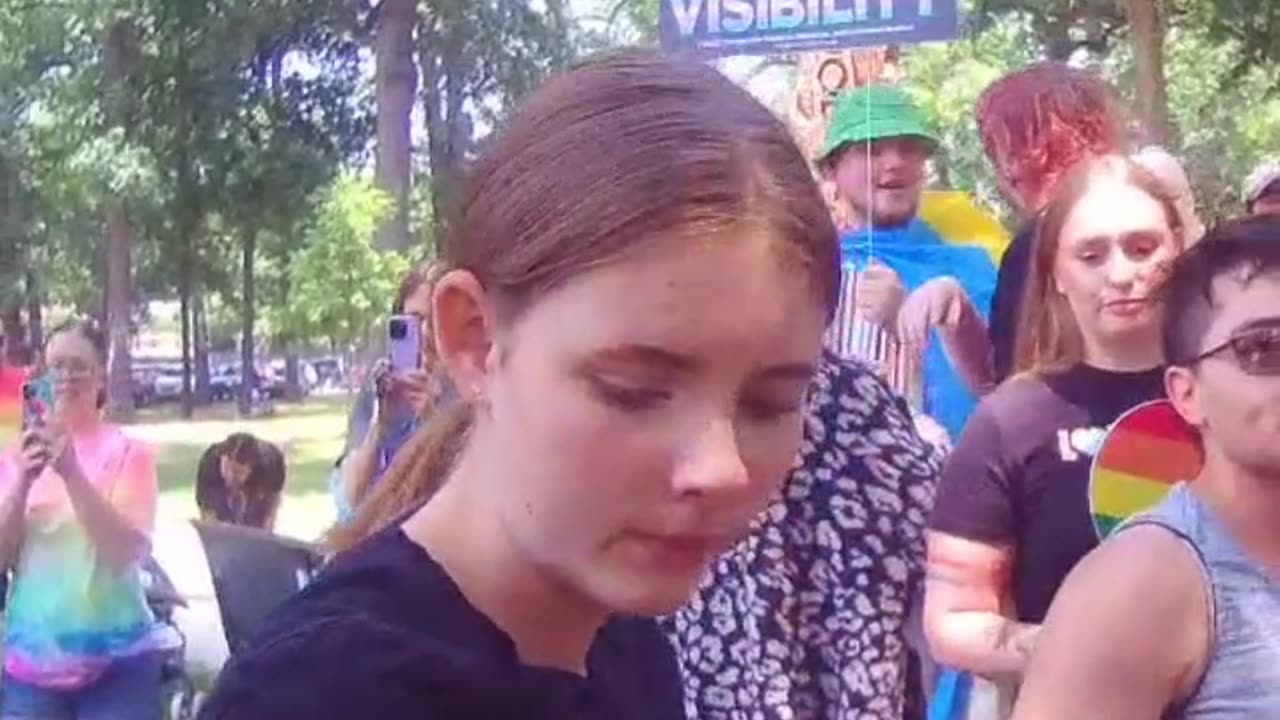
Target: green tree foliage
x: 342, y: 284
x: 476, y: 58
x: 946, y: 79
x: 1225, y: 112
x: 1228, y: 120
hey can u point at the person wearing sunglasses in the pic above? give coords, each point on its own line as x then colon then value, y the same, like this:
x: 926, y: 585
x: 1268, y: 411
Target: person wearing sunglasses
x: 1012, y: 514
x: 1177, y: 615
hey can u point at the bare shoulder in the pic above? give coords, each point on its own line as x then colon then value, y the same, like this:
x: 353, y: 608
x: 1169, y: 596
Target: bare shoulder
x: 1135, y: 563
x: 1129, y: 630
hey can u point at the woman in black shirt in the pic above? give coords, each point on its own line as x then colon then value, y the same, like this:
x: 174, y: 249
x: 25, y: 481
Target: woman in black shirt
x: 638, y: 286
x: 1012, y: 514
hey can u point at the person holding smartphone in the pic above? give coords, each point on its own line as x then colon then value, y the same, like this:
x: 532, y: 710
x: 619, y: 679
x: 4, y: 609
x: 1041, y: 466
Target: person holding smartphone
x: 77, y: 506
x: 396, y: 397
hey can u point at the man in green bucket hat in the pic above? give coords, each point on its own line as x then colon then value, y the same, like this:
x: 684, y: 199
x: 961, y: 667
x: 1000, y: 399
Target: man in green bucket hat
x: 884, y: 117
x: 929, y: 292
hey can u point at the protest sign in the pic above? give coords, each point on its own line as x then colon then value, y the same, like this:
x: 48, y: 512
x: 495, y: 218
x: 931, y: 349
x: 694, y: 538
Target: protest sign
x: 759, y: 27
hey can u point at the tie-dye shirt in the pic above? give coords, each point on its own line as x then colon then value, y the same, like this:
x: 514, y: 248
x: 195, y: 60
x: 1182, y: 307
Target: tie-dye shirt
x: 69, y: 613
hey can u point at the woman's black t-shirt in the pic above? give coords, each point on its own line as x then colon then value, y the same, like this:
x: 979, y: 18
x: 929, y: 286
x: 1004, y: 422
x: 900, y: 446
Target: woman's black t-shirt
x: 384, y: 633
x: 1020, y: 473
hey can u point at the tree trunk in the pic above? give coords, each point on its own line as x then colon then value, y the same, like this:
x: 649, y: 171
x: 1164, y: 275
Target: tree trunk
x: 120, y: 405
x: 244, y: 398
x: 200, y: 347
x: 292, y: 376
x: 396, y: 78
x: 119, y: 62
x: 35, y: 313
x: 448, y: 127
x: 11, y: 323
x: 1146, y: 33
x: 101, y: 308
x: 184, y: 312
x: 14, y: 257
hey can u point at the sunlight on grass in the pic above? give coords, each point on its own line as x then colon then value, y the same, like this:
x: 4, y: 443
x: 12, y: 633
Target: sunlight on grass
x: 310, y: 435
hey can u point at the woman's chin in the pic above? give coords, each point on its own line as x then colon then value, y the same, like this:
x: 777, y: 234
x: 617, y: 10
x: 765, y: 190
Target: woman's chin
x: 653, y: 596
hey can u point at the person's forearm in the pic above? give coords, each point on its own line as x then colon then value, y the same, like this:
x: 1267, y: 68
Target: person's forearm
x: 968, y: 346
x: 359, y: 467
x: 118, y: 543
x: 13, y: 516
x: 984, y: 643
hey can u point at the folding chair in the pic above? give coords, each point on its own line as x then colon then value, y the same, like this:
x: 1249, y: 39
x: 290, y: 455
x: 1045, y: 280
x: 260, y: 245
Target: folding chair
x: 254, y: 572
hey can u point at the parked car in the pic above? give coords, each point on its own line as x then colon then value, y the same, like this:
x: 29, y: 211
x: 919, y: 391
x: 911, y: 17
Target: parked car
x: 224, y: 383
x: 144, y: 391
x: 271, y: 379
x: 168, y: 384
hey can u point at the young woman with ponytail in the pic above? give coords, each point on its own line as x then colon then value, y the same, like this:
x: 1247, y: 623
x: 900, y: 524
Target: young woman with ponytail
x: 633, y: 309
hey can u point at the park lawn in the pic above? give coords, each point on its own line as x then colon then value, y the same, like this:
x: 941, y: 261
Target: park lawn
x: 310, y: 434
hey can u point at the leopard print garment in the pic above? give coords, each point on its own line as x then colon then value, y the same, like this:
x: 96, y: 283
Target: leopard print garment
x: 805, y: 618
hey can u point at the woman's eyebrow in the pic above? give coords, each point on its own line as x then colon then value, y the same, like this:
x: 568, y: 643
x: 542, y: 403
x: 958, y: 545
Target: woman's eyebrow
x: 649, y: 355
x: 801, y: 372
x: 640, y: 354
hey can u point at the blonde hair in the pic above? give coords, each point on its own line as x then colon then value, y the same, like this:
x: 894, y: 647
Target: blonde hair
x: 1049, y: 338
x: 1165, y: 167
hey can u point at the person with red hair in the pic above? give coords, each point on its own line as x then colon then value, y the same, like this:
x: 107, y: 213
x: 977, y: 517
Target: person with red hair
x: 1036, y: 125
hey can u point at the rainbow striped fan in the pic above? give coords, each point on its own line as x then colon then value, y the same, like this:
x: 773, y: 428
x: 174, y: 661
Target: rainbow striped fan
x: 1146, y: 452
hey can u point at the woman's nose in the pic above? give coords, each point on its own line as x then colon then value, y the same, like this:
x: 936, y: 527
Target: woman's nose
x: 711, y: 461
x: 1121, y: 271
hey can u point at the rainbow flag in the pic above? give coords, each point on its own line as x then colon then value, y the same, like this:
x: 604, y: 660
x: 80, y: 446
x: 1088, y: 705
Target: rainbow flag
x: 1147, y: 451
x: 11, y: 380
x: 960, y: 221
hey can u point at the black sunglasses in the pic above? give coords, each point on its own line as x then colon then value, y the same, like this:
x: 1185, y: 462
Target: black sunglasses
x: 1256, y: 350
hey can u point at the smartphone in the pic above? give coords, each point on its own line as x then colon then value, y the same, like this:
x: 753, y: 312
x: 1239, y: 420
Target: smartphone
x: 37, y: 402
x: 405, y: 335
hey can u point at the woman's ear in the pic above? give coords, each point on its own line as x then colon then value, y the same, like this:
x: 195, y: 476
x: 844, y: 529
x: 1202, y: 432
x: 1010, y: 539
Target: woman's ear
x: 464, y: 331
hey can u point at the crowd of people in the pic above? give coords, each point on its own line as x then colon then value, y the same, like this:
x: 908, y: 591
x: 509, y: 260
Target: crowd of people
x: 679, y: 447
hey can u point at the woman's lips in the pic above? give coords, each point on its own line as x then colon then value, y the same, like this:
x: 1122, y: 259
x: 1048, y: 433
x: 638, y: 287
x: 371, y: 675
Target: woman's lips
x: 1127, y: 308
x: 675, y: 551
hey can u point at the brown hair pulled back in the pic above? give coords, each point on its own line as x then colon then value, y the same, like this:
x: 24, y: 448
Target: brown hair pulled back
x: 1049, y: 339
x: 598, y: 163
x: 88, y: 329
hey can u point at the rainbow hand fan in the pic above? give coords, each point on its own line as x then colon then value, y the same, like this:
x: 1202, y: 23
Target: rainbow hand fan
x: 1147, y: 451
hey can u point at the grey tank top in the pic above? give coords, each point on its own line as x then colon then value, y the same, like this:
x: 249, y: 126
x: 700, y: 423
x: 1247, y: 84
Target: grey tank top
x: 1242, y: 677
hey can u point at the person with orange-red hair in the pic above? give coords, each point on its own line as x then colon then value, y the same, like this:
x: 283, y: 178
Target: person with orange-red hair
x: 1036, y: 125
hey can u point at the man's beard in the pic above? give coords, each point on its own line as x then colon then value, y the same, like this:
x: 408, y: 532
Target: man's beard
x: 888, y: 219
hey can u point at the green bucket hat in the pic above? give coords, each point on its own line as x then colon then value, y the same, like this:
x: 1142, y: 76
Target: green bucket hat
x: 874, y: 112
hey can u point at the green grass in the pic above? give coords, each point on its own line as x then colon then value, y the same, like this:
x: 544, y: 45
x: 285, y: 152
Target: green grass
x: 309, y: 434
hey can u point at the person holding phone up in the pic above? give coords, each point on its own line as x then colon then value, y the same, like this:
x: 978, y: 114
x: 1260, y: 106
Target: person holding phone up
x: 77, y: 506
x: 401, y: 390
